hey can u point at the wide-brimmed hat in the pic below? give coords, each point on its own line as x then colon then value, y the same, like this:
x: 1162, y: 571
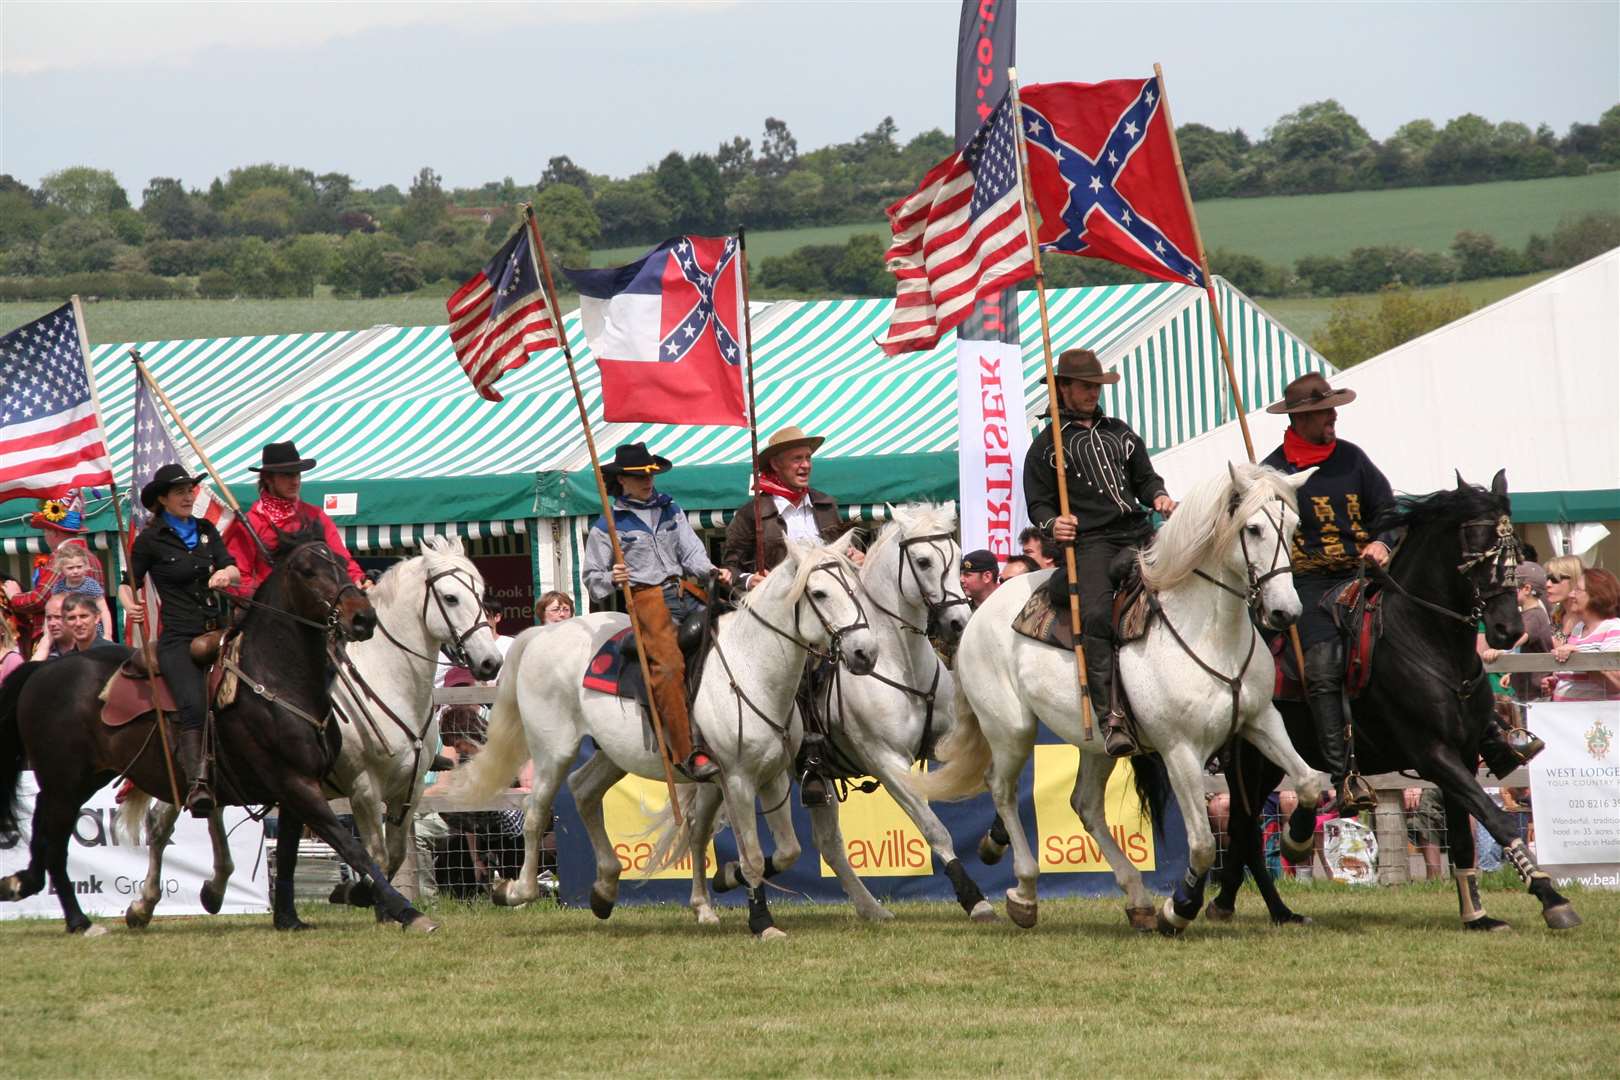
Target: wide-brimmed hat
x: 282, y: 457
x: 635, y: 459
x: 789, y: 438
x: 64, y: 513
x: 1082, y: 365
x: 1308, y: 393
x: 165, y: 478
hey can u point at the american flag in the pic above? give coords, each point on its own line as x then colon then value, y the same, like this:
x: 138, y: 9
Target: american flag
x: 500, y: 316
x: 154, y: 448
x: 961, y: 235
x: 50, y: 435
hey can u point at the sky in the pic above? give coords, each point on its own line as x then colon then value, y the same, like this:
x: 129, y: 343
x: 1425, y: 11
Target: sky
x: 483, y: 91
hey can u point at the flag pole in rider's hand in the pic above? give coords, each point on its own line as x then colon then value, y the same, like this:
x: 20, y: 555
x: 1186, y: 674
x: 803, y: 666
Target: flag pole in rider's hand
x: 125, y: 543
x: 601, y: 491
x: 1215, y: 319
x: 1056, y: 407
x: 753, y: 413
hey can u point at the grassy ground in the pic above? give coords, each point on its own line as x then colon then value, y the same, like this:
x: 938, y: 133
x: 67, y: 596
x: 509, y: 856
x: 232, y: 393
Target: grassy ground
x: 1307, y: 315
x: 1385, y: 985
x: 761, y: 244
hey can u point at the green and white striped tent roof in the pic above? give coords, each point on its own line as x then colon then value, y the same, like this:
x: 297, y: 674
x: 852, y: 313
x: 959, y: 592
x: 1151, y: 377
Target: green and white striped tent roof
x: 390, y: 416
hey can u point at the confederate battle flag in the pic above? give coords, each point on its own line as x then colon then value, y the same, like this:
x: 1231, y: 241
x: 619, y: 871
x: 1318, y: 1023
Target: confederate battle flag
x: 1105, y: 178
x: 666, y: 331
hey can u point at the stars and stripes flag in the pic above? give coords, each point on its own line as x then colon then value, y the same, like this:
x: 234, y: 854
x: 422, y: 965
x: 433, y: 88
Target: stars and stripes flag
x: 1103, y: 174
x: 961, y: 235
x: 154, y: 447
x: 50, y: 435
x: 666, y: 332
x: 500, y: 316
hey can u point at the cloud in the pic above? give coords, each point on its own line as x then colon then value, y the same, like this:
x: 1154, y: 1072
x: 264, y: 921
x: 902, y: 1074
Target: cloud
x: 40, y: 38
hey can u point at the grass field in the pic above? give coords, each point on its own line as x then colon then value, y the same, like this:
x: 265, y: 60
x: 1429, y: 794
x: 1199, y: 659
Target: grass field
x: 761, y: 244
x: 1384, y: 985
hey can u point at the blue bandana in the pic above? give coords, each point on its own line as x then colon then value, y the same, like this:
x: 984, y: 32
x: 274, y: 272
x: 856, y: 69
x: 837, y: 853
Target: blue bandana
x: 185, y: 528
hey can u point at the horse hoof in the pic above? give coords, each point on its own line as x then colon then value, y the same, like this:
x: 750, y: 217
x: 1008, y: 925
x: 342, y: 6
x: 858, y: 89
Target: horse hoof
x: 1561, y: 917
x: 1141, y: 919
x: 211, y: 900
x: 1486, y: 924
x: 1300, y: 855
x: 1168, y: 922
x: 771, y: 933
x: 340, y: 893
x: 497, y: 892
x: 601, y: 906
x: 707, y: 917
x: 294, y: 924
x: 990, y: 852
x: 983, y: 912
x: 137, y: 916
x: 96, y: 931
x: 876, y: 913
x: 420, y: 925
x: 361, y: 894
x: 1292, y: 919
x: 10, y: 888
x: 1215, y: 913
x: 1021, y: 914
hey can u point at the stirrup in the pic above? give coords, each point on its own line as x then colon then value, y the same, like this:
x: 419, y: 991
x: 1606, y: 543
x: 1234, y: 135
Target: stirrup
x: 1524, y: 743
x: 1356, y: 795
x: 1118, y: 741
x: 695, y: 772
x: 200, y: 800
x: 813, y: 790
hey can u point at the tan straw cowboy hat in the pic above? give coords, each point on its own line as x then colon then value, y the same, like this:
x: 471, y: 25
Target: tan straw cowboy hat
x: 1082, y: 365
x: 789, y: 438
x: 1309, y: 393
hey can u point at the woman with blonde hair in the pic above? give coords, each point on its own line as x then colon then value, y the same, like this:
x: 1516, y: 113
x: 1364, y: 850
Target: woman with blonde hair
x: 11, y: 657
x: 1563, y: 572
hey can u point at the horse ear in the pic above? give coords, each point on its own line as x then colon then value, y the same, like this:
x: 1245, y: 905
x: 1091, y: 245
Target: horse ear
x: 1239, y: 483
x: 1297, y: 480
x: 844, y: 544
x: 1499, y: 484
x: 1462, y: 485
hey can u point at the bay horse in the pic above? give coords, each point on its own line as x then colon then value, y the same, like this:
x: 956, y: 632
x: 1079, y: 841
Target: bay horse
x: 1427, y: 701
x: 273, y: 742
x: 1196, y: 677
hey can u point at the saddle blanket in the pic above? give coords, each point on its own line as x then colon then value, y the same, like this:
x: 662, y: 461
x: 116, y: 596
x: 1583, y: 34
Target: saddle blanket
x: 1039, y: 621
x: 1360, y: 618
x: 611, y: 671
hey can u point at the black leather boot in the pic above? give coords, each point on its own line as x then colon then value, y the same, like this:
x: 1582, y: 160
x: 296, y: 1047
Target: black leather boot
x: 1324, y: 687
x: 199, y: 796
x: 1505, y: 749
x: 812, y: 769
x: 1118, y: 739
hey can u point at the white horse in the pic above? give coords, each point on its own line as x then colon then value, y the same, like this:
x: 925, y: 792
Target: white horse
x: 424, y: 604
x: 1199, y: 677
x: 744, y: 707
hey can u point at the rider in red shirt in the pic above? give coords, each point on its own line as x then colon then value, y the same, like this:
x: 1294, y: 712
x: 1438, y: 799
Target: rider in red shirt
x: 279, y: 512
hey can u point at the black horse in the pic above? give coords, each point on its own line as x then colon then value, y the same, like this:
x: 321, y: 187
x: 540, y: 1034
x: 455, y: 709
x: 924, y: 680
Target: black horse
x: 273, y: 743
x: 1428, y: 704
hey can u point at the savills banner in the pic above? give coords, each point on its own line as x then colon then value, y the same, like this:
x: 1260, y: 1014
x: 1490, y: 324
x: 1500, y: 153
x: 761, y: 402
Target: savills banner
x: 991, y: 430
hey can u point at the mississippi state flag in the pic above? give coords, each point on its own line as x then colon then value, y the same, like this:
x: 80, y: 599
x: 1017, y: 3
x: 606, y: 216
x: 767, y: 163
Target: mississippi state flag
x: 1104, y: 176
x: 666, y: 331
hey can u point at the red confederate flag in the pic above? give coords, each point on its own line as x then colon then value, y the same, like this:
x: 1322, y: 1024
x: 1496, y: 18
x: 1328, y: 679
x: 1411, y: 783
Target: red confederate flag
x: 1105, y: 179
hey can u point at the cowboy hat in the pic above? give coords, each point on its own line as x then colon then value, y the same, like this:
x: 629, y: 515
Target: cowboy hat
x: 64, y: 514
x: 1309, y: 393
x: 166, y: 477
x: 788, y: 438
x: 634, y: 458
x: 1082, y: 365
x: 282, y: 457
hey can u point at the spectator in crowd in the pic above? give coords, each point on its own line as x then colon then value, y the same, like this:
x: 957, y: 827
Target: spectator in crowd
x: 11, y: 657
x: 82, y: 623
x: 1563, y: 572
x: 555, y: 607
x: 1537, y: 636
x: 493, y: 613
x: 72, y: 569
x: 1038, y: 547
x: 1426, y: 827
x: 979, y: 576
x: 1019, y: 564
x: 54, y: 640
x: 1596, y: 601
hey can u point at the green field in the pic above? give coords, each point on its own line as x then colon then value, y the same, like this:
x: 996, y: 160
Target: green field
x: 1385, y: 984
x: 761, y: 244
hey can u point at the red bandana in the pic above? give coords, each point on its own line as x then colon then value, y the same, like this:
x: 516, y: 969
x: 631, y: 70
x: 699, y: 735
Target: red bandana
x: 1302, y: 454
x: 770, y: 485
x: 283, y: 514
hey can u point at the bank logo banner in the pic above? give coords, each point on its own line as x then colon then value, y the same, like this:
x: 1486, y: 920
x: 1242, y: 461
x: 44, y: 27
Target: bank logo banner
x: 879, y: 839
x: 1062, y: 843
x: 631, y: 810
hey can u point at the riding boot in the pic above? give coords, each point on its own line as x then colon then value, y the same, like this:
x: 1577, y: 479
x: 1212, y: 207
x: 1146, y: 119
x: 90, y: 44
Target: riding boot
x: 1118, y: 738
x: 199, y: 796
x: 1506, y: 749
x: 1324, y: 681
x: 812, y: 770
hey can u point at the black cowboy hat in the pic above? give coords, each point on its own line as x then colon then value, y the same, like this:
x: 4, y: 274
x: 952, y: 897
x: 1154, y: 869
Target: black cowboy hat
x: 634, y: 458
x: 165, y: 478
x: 1082, y: 365
x: 282, y: 457
x: 1308, y: 393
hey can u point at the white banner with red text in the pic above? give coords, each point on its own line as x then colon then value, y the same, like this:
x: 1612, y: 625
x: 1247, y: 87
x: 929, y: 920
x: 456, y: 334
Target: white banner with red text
x: 993, y: 438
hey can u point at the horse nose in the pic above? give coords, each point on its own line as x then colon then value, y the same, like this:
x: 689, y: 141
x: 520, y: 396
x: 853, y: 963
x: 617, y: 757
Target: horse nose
x: 1281, y: 620
x: 364, y: 624
x: 862, y: 660
x: 488, y: 668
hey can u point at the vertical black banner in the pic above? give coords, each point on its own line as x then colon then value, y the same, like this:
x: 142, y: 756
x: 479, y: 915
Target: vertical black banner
x: 984, y: 52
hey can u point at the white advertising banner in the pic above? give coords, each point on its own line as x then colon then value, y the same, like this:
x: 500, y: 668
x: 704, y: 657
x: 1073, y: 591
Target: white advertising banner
x: 1575, y: 790
x: 108, y: 873
x: 993, y: 437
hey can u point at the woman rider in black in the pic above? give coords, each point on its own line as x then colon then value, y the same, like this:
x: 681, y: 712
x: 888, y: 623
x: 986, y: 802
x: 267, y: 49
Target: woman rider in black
x: 187, y: 561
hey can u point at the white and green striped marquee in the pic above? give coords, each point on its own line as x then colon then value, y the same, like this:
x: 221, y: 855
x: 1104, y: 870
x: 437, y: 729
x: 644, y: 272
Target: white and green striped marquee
x: 392, y: 420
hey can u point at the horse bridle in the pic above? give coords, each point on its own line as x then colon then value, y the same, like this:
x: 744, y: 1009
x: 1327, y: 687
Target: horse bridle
x: 333, y: 607
x: 1257, y: 581
x: 936, y: 608
x: 458, y: 644
x: 1503, y: 556
x: 835, y: 636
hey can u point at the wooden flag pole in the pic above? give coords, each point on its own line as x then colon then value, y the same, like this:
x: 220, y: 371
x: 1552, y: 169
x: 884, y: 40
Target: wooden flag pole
x: 1215, y: 318
x: 148, y: 652
x: 753, y: 415
x: 1056, y: 409
x: 601, y: 491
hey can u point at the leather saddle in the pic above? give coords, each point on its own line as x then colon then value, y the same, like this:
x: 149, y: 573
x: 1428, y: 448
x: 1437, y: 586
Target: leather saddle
x: 134, y: 689
x: 616, y: 667
x: 1045, y: 616
x: 1357, y: 610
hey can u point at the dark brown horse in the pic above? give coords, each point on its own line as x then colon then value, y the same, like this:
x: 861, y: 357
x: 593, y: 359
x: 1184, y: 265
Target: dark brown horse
x: 273, y: 743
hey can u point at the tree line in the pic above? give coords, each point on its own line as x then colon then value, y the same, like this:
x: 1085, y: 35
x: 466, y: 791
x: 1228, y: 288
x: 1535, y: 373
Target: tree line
x: 275, y: 230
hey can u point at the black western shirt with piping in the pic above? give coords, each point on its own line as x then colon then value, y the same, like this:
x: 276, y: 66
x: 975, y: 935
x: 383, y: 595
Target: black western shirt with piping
x: 181, y: 575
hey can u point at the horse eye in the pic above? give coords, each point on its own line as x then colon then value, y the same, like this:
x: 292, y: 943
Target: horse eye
x: 819, y: 594
x: 925, y: 563
x: 1254, y: 530
x: 452, y: 600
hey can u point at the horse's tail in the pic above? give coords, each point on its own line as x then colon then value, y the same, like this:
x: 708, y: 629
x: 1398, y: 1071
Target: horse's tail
x: 11, y: 747
x: 964, y: 756
x: 1152, y: 788
x: 131, y: 816
x: 673, y: 840
x: 506, y: 745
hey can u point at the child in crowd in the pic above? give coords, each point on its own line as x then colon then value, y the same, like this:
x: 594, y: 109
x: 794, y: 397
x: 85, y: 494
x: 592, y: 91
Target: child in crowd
x: 72, y: 569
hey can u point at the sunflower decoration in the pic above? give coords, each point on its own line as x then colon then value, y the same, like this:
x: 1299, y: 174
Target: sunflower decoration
x: 53, y: 510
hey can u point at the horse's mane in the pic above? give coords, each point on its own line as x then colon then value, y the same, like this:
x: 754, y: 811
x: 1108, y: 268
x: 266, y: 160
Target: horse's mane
x: 1201, y: 524
x: 310, y: 532
x: 922, y: 518
x: 435, y: 549
x: 1447, y: 507
x: 810, y: 556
